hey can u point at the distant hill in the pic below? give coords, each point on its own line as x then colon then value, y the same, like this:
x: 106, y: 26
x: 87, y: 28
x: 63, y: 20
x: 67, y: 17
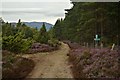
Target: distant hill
x: 37, y: 25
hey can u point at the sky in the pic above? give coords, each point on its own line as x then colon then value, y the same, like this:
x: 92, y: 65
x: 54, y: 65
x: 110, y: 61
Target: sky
x: 33, y: 10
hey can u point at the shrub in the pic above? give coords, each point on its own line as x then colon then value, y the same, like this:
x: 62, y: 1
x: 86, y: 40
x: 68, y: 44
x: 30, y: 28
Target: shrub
x: 26, y: 45
x: 16, y: 43
x: 53, y: 42
x: 86, y: 55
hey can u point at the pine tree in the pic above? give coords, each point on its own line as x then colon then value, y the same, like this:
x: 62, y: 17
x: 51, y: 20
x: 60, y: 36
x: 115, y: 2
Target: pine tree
x: 19, y: 23
x: 43, y: 36
x: 86, y: 19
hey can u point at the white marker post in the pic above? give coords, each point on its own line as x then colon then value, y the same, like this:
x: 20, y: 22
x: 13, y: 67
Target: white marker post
x: 96, y: 40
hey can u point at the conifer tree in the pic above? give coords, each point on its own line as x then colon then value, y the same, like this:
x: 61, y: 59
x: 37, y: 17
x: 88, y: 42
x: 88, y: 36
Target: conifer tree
x: 43, y: 36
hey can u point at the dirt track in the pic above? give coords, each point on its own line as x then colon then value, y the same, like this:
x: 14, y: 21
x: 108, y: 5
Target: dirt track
x: 51, y: 64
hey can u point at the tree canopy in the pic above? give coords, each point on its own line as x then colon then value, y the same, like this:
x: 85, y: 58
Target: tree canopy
x: 86, y: 19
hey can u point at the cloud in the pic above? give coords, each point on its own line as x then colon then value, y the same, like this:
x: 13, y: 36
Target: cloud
x: 55, y: 14
x: 22, y: 10
x: 47, y: 11
x: 35, y: 0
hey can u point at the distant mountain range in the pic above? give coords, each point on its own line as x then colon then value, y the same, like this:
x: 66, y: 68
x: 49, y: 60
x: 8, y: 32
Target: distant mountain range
x: 37, y: 25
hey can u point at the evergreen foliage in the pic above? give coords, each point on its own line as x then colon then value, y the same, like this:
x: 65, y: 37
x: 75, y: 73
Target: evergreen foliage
x: 43, y: 36
x: 19, y: 38
x: 16, y: 43
x: 86, y: 19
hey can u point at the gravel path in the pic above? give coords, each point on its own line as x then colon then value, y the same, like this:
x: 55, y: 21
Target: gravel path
x: 51, y: 64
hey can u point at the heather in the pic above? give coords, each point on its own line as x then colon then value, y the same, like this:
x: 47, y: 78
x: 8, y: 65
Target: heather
x: 94, y: 63
x: 37, y: 47
x: 91, y: 30
x: 15, y: 66
x: 20, y: 40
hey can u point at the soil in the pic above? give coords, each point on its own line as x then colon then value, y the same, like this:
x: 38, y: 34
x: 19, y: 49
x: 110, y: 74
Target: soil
x: 51, y: 64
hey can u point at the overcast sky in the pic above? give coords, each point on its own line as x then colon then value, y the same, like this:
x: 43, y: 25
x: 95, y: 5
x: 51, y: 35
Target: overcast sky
x: 33, y: 10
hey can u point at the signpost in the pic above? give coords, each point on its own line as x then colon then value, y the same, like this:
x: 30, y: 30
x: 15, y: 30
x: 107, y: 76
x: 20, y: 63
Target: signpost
x: 96, y: 40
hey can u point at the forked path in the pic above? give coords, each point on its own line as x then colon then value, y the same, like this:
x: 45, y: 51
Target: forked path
x: 51, y: 64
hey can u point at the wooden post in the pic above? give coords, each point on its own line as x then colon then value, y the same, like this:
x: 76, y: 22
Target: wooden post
x: 84, y: 44
x: 96, y: 44
x: 101, y: 45
x: 87, y: 45
x: 113, y: 46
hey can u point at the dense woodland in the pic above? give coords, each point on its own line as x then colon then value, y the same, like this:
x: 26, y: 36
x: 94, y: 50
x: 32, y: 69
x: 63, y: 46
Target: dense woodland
x: 84, y: 20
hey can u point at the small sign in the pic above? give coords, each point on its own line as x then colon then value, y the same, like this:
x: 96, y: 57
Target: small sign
x: 96, y: 38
